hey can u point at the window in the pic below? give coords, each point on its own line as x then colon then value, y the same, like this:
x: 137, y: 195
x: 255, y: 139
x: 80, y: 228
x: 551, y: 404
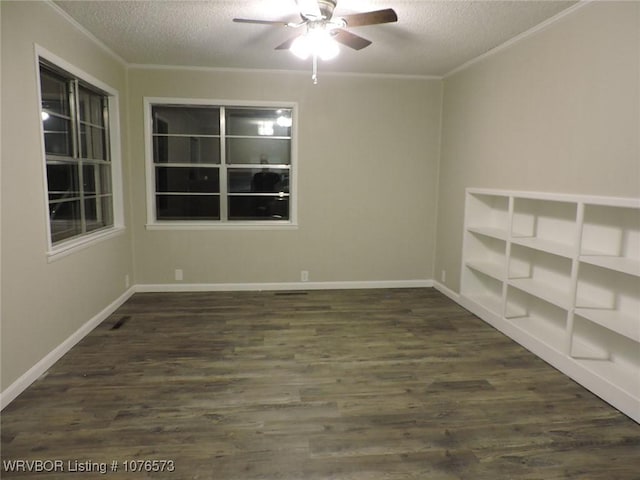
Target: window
x: 220, y: 164
x: 77, y: 146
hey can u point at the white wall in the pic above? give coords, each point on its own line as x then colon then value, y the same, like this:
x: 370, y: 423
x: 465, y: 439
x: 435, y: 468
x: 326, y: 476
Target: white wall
x: 558, y: 111
x: 367, y: 160
x: 43, y: 303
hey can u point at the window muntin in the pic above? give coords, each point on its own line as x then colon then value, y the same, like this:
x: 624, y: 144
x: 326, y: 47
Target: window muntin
x: 75, y: 120
x: 236, y: 168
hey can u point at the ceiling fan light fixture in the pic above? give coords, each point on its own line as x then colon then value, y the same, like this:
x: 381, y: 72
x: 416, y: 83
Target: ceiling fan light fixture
x: 300, y: 47
x: 317, y: 42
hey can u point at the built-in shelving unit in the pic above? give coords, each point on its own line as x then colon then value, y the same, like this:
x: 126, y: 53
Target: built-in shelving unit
x: 560, y: 274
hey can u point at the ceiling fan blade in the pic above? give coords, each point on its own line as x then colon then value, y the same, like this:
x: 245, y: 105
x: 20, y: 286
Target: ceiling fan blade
x: 388, y: 15
x: 309, y: 8
x: 350, y: 39
x: 261, y: 22
x: 286, y: 45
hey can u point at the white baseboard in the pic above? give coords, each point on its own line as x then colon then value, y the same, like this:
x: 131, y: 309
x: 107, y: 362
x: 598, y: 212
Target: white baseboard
x: 447, y: 291
x: 21, y: 384
x: 230, y: 287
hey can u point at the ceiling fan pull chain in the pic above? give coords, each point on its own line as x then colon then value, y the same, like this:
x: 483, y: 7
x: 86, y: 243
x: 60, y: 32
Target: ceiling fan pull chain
x: 314, y: 75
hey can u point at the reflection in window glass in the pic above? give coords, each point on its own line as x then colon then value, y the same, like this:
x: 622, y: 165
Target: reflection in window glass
x: 259, y: 151
x: 89, y: 177
x: 186, y: 120
x: 105, y: 179
x: 186, y: 149
x: 187, y: 179
x: 251, y: 207
x: 260, y: 122
x: 62, y: 180
x: 263, y: 180
x: 97, y: 211
x: 92, y: 144
x: 188, y: 207
x: 66, y: 219
x: 55, y: 94
x: 57, y: 135
x: 91, y: 107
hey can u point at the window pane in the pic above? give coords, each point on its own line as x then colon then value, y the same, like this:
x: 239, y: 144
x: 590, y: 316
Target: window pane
x: 91, y: 104
x: 258, y: 208
x: 104, y: 178
x: 262, y: 122
x: 90, y: 179
x: 62, y: 180
x: 57, y: 136
x: 187, y: 179
x: 258, y: 151
x: 107, y: 210
x: 99, y: 144
x: 186, y: 120
x: 92, y: 142
x: 269, y: 180
x: 188, y: 207
x: 98, y: 213
x: 55, y: 93
x: 65, y: 219
x: 186, y: 149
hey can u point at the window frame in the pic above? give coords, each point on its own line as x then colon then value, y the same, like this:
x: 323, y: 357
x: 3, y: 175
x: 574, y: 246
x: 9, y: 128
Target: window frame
x: 56, y: 250
x: 225, y: 224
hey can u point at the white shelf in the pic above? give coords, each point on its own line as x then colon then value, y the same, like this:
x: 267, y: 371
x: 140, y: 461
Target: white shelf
x: 544, y: 224
x: 612, y: 231
x: 621, y: 323
x: 497, y: 233
x: 548, y: 246
x: 630, y: 266
x: 492, y: 269
x: 558, y: 297
x: 560, y: 274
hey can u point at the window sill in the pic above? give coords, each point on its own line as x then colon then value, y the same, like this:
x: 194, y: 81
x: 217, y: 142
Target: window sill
x: 74, y: 245
x: 256, y: 225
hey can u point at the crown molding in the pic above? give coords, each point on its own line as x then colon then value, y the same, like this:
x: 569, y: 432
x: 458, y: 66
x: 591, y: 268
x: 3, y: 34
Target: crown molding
x: 518, y: 38
x: 189, y: 68
x: 86, y: 33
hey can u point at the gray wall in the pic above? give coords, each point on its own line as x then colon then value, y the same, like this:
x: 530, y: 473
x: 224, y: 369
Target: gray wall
x: 367, y: 160
x: 555, y: 112
x: 44, y: 303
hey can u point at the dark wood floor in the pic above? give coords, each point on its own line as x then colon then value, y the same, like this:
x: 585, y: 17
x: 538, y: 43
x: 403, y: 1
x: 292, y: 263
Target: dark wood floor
x: 348, y: 385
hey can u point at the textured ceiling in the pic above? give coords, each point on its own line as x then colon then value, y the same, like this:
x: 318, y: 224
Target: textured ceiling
x: 430, y: 38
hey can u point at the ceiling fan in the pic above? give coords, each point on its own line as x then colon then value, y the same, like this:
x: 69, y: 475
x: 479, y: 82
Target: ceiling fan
x: 321, y: 30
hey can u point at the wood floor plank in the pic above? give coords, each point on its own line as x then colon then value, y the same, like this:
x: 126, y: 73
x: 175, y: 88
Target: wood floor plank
x: 395, y: 384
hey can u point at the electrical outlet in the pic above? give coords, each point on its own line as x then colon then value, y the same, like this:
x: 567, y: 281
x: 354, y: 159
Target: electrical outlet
x: 304, y: 276
x: 127, y: 282
x: 443, y: 276
x: 179, y: 275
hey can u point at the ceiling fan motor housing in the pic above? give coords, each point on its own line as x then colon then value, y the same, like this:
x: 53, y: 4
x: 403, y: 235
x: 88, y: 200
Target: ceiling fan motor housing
x: 327, y: 7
